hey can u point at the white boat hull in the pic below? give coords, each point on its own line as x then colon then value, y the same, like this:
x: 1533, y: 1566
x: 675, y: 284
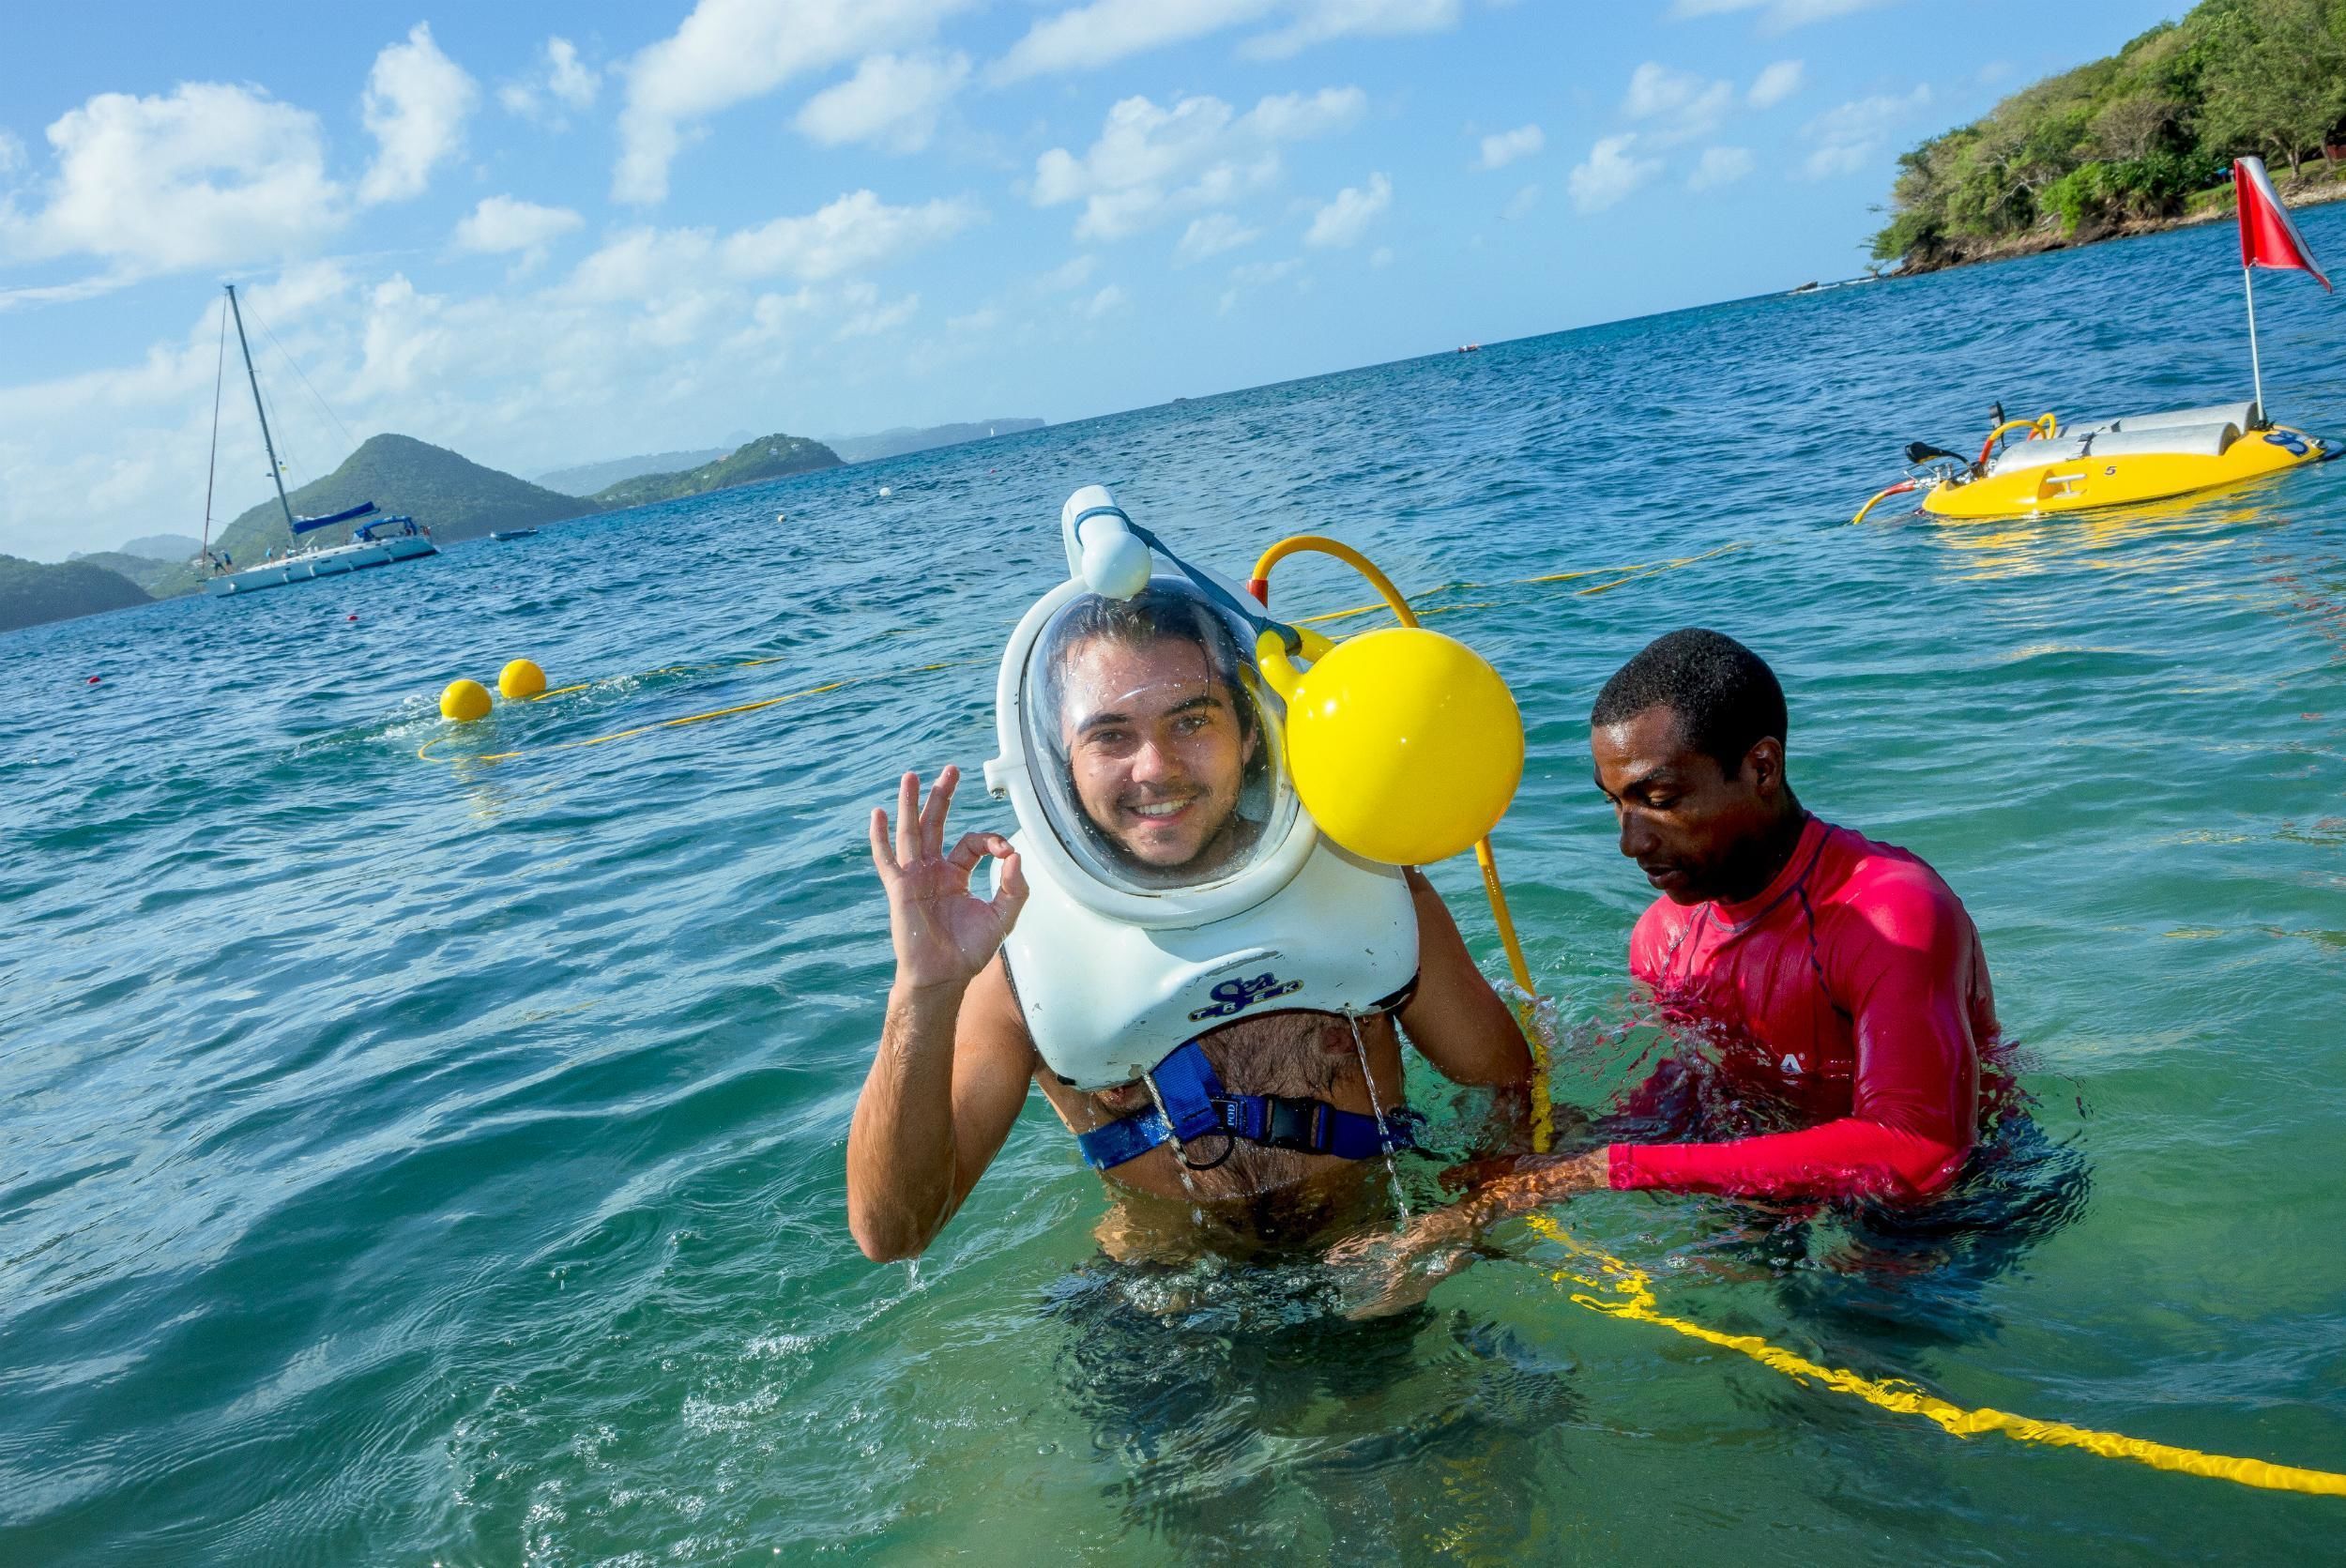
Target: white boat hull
x: 341, y: 559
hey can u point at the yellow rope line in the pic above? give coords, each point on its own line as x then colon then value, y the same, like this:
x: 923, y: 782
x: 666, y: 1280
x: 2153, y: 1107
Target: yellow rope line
x: 1633, y: 1299
x: 1634, y: 571
x: 423, y: 751
x: 1621, y: 573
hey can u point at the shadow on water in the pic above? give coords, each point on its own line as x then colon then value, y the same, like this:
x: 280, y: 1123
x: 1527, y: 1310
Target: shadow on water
x: 1906, y: 1275
x: 1241, y: 1413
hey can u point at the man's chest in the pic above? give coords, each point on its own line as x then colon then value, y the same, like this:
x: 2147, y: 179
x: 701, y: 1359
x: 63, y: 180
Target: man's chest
x: 1761, y: 991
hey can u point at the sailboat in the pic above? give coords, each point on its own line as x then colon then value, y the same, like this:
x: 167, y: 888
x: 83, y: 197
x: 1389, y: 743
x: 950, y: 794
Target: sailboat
x: 377, y: 542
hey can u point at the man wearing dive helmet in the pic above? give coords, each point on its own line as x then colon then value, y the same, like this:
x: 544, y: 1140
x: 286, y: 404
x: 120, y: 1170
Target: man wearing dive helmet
x: 1206, y: 991
x: 1836, y: 979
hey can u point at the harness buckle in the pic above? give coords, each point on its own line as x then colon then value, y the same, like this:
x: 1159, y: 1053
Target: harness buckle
x: 1297, y: 1125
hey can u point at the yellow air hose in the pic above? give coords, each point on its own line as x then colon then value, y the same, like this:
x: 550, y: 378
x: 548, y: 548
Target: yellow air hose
x: 1543, y: 1118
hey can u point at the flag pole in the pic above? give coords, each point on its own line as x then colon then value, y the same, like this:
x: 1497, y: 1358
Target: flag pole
x: 2256, y: 369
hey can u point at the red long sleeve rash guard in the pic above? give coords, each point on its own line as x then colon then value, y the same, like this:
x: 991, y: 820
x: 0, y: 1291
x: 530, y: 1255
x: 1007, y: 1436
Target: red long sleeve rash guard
x: 1853, y: 988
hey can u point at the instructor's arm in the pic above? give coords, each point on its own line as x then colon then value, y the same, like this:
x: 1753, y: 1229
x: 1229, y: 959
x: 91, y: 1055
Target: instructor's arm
x: 953, y: 1060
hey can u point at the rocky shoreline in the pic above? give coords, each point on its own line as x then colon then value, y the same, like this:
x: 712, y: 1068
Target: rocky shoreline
x: 2303, y: 193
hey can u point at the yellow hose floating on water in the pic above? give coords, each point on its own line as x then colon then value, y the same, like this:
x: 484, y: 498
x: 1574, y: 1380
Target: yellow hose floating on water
x: 1633, y: 1298
x: 1543, y: 1117
x: 1901, y: 488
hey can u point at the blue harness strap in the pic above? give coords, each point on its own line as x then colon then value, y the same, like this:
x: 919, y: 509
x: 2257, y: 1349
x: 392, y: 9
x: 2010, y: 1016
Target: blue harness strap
x: 1192, y: 1105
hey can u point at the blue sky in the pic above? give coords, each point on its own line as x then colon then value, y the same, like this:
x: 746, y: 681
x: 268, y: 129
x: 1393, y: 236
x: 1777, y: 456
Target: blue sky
x: 546, y: 236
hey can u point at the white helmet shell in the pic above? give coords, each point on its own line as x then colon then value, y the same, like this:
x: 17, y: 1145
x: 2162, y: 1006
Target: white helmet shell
x: 1118, y: 956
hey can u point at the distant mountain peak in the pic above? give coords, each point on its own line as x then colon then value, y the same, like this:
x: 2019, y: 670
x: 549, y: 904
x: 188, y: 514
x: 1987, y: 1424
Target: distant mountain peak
x: 760, y: 458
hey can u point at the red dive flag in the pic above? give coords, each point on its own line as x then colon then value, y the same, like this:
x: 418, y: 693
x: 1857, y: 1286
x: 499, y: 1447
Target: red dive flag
x: 2267, y: 238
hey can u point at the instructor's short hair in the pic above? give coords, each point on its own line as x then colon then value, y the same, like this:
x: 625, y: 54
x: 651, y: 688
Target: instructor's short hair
x: 1725, y: 697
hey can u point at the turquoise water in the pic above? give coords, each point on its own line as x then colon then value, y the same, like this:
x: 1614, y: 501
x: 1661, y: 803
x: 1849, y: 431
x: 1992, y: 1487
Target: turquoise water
x: 418, y: 1161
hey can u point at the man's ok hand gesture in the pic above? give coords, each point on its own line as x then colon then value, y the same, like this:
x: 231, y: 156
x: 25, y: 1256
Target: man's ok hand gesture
x: 944, y: 934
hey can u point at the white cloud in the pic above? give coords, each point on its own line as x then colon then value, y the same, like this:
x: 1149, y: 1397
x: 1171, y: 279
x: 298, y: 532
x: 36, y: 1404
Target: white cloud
x: 891, y: 102
x: 1211, y: 235
x: 866, y: 316
x: 1611, y: 173
x: 1073, y: 273
x: 210, y: 176
x: 1324, y: 21
x: 566, y: 78
x: 1107, y: 31
x: 1776, y: 16
x: 1505, y: 146
x: 1107, y: 303
x: 648, y: 265
x: 1381, y: 256
x: 563, y: 76
x: 1256, y: 275
x: 11, y: 153
x: 730, y: 50
x: 1087, y: 36
x: 1682, y: 105
x: 1150, y: 162
x: 1847, y: 139
x: 854, y: 232
x: 416, y: 103
x: 1345, y: 218
x: 1776, y: 83
x: 1520, y: 205
x: 639, y: 265
x: 503, y: 224
x: 1721, y: 166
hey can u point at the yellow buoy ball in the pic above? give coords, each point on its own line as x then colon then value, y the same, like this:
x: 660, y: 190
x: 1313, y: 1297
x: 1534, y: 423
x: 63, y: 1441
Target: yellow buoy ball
x: 520, y: 680
x: 465, y: 701
x: 1405, y: 745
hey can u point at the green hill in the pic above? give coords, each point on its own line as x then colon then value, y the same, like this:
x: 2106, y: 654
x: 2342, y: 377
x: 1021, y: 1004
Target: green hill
x: 587, y: 477
x: 769, y: 457
x: 159, y: 579
x: 2131, y: 142
x: 165, y: 547
x: 31, y: 593
x: 907, y: 438
x: 2141, y: 139
x: 454, y: 497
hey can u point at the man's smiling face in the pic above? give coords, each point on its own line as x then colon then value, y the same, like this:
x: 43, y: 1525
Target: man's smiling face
x: 1156, y: 748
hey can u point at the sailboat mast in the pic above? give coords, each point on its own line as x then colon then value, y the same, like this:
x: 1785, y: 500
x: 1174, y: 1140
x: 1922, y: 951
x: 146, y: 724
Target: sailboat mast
x: 277, y: 476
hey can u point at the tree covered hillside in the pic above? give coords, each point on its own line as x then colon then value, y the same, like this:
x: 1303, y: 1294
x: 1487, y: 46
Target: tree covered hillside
x: 31, y: 593
x: 158, y: 579
x: 2147, y: 134
x: 454, y: 497
x: 769, y: 457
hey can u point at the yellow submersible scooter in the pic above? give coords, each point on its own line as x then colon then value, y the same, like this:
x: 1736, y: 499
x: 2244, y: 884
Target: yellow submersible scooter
x: 2054, y: 467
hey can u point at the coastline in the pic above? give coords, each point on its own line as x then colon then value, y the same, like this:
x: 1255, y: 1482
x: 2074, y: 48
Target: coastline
x: 2303, y: 193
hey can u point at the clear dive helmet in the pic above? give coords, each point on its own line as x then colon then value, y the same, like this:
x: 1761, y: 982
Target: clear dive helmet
x: 1139, y: 746
x: 1153, y: 748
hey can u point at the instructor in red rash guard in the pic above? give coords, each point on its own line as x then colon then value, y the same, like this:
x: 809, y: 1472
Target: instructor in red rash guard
x: 1837, y: 977
x: 1842, y: 978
